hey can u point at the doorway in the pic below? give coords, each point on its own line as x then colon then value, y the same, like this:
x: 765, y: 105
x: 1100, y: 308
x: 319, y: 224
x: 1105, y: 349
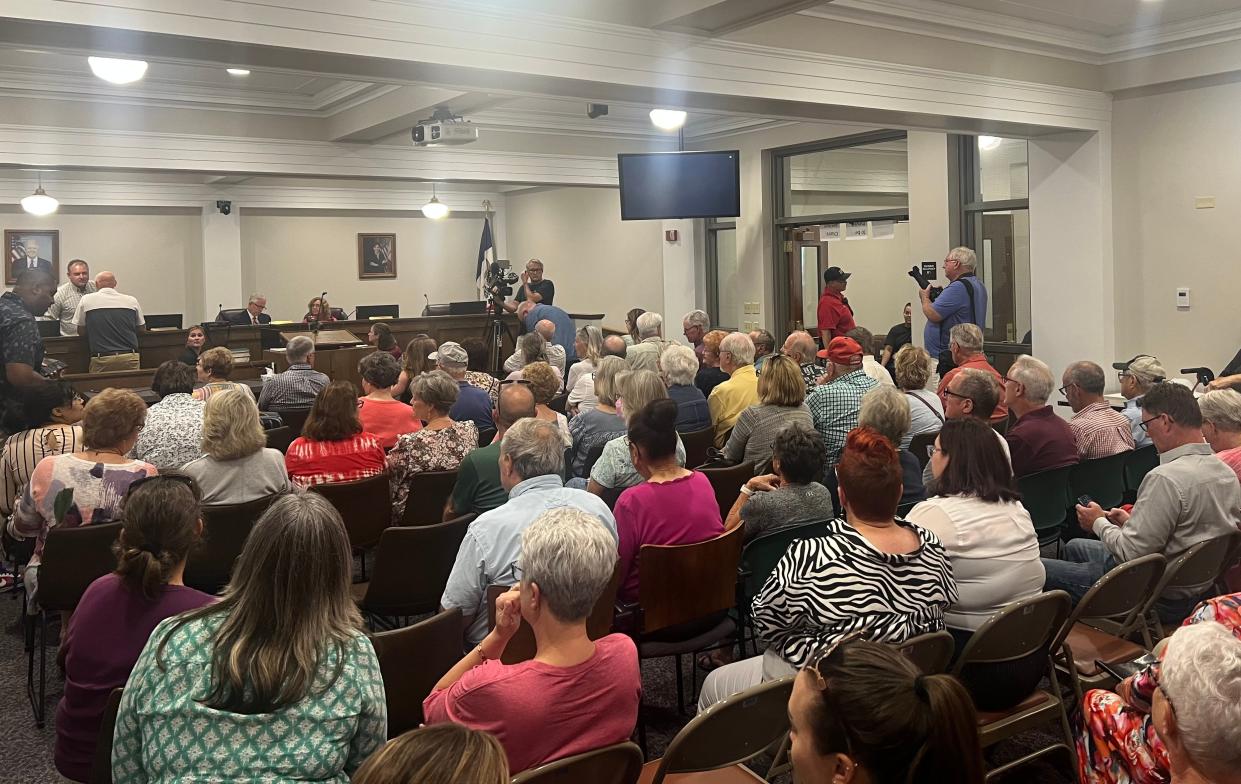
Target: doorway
x: 805, y: 258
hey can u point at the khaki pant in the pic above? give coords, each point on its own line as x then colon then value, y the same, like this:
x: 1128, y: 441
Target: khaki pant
x: 114, y: 362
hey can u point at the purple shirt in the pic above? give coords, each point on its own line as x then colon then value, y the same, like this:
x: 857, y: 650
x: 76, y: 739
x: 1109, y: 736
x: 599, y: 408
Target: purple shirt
x: 1041, y: 441
x: 106, y: 633
x: 683, y: 511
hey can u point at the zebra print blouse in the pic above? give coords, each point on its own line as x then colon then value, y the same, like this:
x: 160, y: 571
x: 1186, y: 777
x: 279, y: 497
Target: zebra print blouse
x: 826, y: 587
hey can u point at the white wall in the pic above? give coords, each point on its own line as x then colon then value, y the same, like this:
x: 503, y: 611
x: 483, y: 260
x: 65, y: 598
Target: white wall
x: 1167, y: 150
x: 291, y: 257
x: 879, y: 287
x: 600, y: 263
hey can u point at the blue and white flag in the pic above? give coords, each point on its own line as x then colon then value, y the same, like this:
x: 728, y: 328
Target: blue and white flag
x: 486, y: 255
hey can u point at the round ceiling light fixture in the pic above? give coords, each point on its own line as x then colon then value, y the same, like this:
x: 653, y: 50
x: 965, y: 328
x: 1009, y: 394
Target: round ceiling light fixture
x: 39, y: 203
x: 988, y: 142
x: 117, y: 71
x: 435, y: 209
x: 238, y: 71
x: 668, y: 119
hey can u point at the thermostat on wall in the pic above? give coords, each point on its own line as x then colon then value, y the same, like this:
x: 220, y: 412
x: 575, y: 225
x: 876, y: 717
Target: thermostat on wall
x: 1182, y: 298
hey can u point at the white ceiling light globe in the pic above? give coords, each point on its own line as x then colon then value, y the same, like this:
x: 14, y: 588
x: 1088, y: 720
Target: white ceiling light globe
x: 39, y: 203
x: 238, y: 71
x: 116, y: 71
x: 435, y: 209
x: 668, y: 119
x: 988, y: 142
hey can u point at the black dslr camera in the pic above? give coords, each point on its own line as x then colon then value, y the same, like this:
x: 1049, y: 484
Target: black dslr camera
x: 923, y: 283
x: 499, y: 279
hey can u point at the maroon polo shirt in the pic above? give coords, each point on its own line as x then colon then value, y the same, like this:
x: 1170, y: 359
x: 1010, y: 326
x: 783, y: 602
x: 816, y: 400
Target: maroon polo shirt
x: 1041, y: 441
x: 835, y: 315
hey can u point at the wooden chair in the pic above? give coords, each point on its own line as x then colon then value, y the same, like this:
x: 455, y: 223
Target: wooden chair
x: 101, y: 765
x: 1196, y: 568
x: 428, y: 492
x: 930, y: 652
x: 726, y: 735
x: 1045, y: 496
x: 411, y: 661
x: 727, y: 482
x: 921, y: 445
x: 522, y: 645
x: 696, y: 443
x: 759, y: 558
x: 684, y: 595
x: 279, y: 438
x: 618, y: 764
x: 225, y: 530
x: 1103, y: 479
x: 412, y: 565
x: 1117, y: 599
x: 366, y: 507
x: 1022, y: 629
x: 73, y: 558
x: 293, y: 418
x: 1138, y: 464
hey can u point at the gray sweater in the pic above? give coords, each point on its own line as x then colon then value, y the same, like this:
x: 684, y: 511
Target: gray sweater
x: 237, y: 481
x: 769, y: 510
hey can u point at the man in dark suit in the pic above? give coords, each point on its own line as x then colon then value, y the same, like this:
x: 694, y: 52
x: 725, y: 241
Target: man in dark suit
x: 31, y: 260
x: 253, y: 314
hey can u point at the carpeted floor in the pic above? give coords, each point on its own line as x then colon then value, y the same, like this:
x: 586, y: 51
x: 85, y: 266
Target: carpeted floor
x: 27, y: 754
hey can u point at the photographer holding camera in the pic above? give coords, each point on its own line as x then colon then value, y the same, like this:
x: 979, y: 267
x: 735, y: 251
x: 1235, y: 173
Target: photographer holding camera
x: 962, y: 301
x: 534, y: 287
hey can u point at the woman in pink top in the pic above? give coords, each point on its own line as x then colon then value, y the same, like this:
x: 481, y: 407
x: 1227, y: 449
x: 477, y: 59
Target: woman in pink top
x: 379, y: 412
x: 576, y: 694
x: 1221, y: 425
x: 333, y: 447
x: 673, y: 505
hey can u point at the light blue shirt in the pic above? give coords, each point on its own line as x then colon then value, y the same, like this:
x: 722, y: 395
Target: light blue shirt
x: 1133, y: 412
x: 493, y: 542
x: 953, y: 307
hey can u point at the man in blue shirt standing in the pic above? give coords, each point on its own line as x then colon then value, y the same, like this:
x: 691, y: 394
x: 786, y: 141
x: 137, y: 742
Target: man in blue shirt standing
x: 955, y: 305
x: 472, y: 403
x: 531, y: 314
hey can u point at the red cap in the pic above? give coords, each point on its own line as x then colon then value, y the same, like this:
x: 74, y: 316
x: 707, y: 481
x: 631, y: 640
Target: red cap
x: 843, y: 351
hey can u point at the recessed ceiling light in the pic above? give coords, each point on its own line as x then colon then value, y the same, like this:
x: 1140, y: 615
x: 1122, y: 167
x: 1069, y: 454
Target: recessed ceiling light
x: 988, y: 142
x: 117, y: 71
x: 238, y: 71
x: 668, y: 119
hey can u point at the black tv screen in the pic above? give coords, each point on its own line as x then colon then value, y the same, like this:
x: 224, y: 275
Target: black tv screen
x: 670, y: 185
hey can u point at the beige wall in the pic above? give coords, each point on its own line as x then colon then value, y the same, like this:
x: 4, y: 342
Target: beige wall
x: 879, y: 287
x: 600, y: 263
x: 155, y: 253
x: 1167, y: 150
x: 292, y: 257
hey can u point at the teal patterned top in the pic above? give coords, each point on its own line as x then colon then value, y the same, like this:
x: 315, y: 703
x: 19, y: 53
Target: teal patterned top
x: 163, y: 734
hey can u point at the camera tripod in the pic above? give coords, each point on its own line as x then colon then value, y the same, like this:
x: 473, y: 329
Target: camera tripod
x: 494, y: 336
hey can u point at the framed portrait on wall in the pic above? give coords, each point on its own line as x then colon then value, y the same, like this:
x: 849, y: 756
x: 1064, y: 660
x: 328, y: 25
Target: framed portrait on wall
x: 27, y: 249
x: 376, y: 256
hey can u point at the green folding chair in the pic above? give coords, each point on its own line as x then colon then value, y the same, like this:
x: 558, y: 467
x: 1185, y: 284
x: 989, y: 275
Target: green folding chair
x: 759, y: 558
x: 1045, y: 496
x: 1137, y: 466
x: 1103, y: 479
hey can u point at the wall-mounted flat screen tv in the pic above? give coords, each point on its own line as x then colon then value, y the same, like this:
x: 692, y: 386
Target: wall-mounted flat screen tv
x: 671, y: 185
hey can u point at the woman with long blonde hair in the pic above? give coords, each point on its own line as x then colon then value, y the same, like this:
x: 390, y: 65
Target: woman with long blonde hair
x: 278, y: 671
x: 236, y: 464
x: 437, y: 754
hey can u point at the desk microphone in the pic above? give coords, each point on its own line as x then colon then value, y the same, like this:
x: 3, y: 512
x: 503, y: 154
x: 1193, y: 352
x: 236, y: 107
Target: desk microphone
x: 427, y: 310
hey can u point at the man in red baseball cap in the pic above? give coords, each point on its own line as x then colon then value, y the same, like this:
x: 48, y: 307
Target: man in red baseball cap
x: 835, y: 314
x: 834, y: 404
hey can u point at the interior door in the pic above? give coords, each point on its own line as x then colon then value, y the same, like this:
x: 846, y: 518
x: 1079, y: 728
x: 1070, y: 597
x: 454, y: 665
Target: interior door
x: 806, y: 258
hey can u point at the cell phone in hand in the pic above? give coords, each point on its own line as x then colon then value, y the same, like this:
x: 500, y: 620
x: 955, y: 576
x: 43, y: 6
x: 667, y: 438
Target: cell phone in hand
x: 1122, y: 670
x: 1084, y: 500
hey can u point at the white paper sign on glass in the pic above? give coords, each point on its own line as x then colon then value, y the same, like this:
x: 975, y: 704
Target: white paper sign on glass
x: 829, y: 233
x: 882, y: 230
x: 856, y: 231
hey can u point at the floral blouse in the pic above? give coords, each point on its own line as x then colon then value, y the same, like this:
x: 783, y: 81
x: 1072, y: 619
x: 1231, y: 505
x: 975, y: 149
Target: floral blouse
x: 427, y: 450
x: 484, y: 381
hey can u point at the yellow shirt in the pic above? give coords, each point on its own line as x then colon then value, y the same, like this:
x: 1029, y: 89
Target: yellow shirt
x: 730, y: 398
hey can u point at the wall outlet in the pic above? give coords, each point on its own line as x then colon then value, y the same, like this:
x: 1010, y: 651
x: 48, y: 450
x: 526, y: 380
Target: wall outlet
x: 1182, y: 298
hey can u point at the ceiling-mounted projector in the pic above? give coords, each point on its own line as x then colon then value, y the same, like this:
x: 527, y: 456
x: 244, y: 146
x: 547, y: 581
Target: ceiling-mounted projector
x: 444, y: 128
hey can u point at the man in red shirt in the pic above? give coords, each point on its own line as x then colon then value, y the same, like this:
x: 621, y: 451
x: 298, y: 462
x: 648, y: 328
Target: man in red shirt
x: 835, y: 315
x: 965, y: 343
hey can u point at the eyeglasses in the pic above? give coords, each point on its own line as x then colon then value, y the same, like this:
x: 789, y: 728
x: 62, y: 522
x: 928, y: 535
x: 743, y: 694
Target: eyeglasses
x: 931, y: 449
x: 515, y: 381
x: 828, y: 651
x: 1143, y: 424
x: 1064, y: 390
x: 950, y: 393
x: 184, y: 479
x: 518, y: 573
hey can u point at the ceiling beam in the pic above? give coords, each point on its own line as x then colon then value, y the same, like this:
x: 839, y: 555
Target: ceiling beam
x: 713, y: 18
x: 400, y: 110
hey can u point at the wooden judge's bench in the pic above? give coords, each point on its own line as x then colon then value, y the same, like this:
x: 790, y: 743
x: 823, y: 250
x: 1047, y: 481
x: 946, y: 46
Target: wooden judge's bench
x: 335, y: 354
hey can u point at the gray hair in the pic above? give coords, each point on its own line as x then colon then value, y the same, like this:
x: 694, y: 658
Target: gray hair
x: 1035, y: 376
x: 764, y: 339
x: 886, y: 409
x: 570, y: 555
x: 533, y: 348
x: 298, y: 349
x: 1222, y: 408
x: 966, y: 256
x: 804, y: 345
x: 981, y: 388
x: 606, y: 387
x: 679, y: 365
x: 913, y: 367
x: 1088, y: 376
x: 535, y: 446
x: 968, y: 337
x: 698, y: 318
x: 740, y: 346
x: 592, y: 338
x: 253, y: 297
x: 437, y: 389
x: 1201, y: 676
x: 650, y: 325
x: 640, y: 388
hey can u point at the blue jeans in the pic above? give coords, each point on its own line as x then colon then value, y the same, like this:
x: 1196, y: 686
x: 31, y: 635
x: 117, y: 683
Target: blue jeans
x: 1085, y: 561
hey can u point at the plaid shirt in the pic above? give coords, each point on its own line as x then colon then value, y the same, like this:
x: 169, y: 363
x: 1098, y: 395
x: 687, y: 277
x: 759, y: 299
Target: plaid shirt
x: 834, y: 407
x: 1100, y: 431
x: 296, y: 387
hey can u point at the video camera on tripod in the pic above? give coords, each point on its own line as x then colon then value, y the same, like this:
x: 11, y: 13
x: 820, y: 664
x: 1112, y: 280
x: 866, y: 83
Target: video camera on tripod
x: 499, y: 278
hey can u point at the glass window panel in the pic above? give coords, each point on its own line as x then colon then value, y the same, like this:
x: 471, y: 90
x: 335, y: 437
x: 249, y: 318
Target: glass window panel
x: 846, y: 180
x: 728, y: 286
x: 810, y: 284
x: 1004, y: 265
x: 1003, y: 169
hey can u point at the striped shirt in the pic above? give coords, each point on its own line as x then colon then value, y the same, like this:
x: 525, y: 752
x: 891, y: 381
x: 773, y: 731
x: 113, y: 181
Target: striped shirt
x: 23, y: 451
x: 296, y: 387
x: 829, y: 586
x: 65, y: 305
x: 755, y: 433
x: 835, y: 406
x: 1100, y: 431
x: 316, y: 462
x: 205, y: 392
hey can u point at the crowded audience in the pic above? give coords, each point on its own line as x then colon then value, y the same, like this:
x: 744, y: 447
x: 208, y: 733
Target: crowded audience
x: 885, y: 411
x: 912, y: 370
x: 781, y: 402
x: 1039, y: 440
x: 1098, y: 430
x: 615, y: 470
x: 378, y: 411
x: 791, y: 494
x: 333, y: 447
x: 215, y: 365
x: 582, y: 396
x: 439, y: 445
x: 678, y: 365
x: 478, y: 487
x: 299, y: 385
x: 49, y: 423
x: 965, y: 343
x: 729, y: 398
x: 236, y: 465
x: 545, y: 385
x: 710, y: 375
x: 593, y: 428
x: 174, y: 425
